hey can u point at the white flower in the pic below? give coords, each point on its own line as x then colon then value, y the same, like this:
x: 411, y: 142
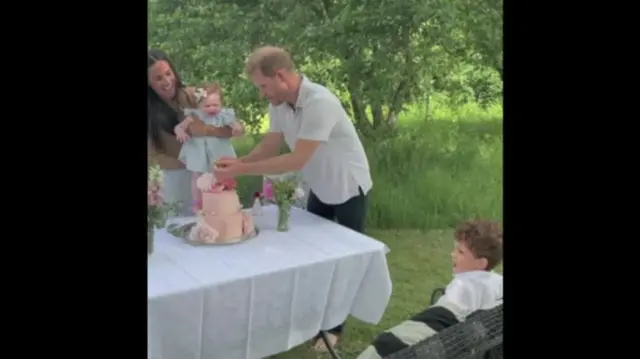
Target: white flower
x: 200, y: 94
x: 205, y: 182
x: 299, y: 193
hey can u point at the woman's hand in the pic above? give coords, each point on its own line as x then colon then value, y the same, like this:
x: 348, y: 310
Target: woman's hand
x: 237, y: 129
x: 197, y: 127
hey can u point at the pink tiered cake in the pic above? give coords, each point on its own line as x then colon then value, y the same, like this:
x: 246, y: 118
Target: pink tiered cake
x: 221, y: 219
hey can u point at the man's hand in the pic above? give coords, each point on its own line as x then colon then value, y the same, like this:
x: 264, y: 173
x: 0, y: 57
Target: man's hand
x: 225, y: 160
x: 227, y: 168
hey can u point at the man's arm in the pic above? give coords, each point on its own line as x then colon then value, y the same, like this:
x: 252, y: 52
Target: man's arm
x: 289, y: 162
x: 319, y: 120
x: 268, y: 147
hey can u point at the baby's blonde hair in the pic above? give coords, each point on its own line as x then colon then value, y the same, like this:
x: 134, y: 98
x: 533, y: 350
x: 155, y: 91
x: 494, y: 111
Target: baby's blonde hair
x: 208, y: 90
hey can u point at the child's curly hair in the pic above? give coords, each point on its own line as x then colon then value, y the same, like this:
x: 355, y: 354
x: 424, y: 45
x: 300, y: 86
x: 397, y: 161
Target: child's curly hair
x: 484, y: 240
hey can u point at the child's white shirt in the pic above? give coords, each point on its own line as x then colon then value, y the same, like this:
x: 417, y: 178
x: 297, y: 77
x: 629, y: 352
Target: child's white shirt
x: 472, y: 291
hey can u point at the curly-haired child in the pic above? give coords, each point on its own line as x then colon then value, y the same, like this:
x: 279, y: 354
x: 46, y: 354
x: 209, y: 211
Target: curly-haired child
x: 475, y: 287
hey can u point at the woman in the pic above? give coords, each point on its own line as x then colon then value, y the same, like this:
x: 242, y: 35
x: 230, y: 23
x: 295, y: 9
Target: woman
x: 166, y: 98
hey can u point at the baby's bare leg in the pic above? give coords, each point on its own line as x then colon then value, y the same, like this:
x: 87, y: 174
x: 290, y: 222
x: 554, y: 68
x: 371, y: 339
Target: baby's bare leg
x: 195, y: 192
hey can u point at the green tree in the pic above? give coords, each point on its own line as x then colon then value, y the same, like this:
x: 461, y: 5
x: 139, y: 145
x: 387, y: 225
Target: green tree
x: 377, y: 55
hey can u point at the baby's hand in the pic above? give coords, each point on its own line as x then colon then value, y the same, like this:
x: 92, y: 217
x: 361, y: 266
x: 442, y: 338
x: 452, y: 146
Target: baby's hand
x: 187, y: 121
x: 181, y: 133
x: 237, y: 129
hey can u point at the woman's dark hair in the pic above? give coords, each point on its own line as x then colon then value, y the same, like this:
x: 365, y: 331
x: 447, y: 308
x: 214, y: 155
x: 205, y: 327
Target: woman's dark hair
x: 160, y: 116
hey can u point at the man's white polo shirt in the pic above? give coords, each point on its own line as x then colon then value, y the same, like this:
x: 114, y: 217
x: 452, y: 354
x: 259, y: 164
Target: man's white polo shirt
x: 339, y: 166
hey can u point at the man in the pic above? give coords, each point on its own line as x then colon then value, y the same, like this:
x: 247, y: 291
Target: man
x: 324, y: 143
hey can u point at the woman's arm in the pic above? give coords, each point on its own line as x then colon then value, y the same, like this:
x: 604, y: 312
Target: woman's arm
x: 218, y: 131
x: 186, y: 99
x: 160, y: 159
x: 198, y: 128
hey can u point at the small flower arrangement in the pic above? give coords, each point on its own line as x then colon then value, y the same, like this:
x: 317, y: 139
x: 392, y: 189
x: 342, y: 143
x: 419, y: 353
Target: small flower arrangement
x: 158, y: 211
x: 285, y: 190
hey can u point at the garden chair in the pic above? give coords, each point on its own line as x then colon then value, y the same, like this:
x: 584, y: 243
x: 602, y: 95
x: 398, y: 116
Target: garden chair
x: 478, y: 337
x: 435, y: 295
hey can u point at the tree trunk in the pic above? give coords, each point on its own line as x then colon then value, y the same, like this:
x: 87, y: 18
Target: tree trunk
x: 378, y: 115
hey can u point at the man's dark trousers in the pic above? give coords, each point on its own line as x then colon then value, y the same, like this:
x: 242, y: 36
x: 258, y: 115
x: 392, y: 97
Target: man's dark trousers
x: 350, y: 214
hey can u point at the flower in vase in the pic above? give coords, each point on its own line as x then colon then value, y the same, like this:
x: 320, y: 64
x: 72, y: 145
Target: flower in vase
x: 154, y: 187
x: 158, y: 210
x: 298, y: 193
x: 154, y: 195
x: 267, y: 189
x: 284, y: 188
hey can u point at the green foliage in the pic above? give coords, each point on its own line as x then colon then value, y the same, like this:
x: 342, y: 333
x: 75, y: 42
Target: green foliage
x: 422, y: 80
x: 158, y: 211
x: 284, y: 188
x: 420, y: 262
x: 377, y: 55
x: 432, y: 174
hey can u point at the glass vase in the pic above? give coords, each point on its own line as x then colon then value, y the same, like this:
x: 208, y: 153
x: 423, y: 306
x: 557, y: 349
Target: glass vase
x: 150, y: 235
x: 284, y: 218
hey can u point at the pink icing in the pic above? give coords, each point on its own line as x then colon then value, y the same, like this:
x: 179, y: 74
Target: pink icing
x: 208, y: 183
x: 205, y: 182
x: 204, y: 233
x: 247, y: 224
x: 221, y: 219
x: 217, y: 188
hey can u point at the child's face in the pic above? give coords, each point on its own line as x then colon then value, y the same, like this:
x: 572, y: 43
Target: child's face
x: 464, y: 260
x: 211, y: 105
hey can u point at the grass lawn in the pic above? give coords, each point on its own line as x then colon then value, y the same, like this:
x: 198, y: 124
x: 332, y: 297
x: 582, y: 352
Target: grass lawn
x: 435, y: 172
x: 419, y: 262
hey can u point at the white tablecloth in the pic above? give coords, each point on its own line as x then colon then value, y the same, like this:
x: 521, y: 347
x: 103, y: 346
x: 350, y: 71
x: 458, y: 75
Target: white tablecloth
x: 263, y: 296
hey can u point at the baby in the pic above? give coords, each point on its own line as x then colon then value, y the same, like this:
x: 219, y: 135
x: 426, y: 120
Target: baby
x: 200, y: 153
x: 475, y: 287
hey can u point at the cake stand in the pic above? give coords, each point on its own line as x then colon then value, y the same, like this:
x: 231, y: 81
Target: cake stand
x: 181, y: 228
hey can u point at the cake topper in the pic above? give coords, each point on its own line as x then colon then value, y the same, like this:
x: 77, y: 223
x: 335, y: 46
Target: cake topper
x: 208, y: 183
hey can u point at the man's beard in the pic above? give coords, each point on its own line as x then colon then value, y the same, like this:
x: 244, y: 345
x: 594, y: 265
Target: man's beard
x: 276, y: 101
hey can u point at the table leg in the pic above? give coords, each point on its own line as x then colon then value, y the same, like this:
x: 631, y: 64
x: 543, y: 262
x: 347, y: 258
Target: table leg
x: 332, y: 351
